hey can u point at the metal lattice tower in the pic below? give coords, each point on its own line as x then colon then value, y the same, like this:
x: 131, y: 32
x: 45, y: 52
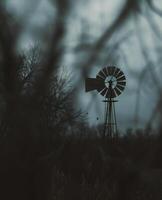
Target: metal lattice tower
x: 109, y: 82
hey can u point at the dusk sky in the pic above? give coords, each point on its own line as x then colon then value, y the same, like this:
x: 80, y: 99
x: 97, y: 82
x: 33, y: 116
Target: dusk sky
x: 92, y: 18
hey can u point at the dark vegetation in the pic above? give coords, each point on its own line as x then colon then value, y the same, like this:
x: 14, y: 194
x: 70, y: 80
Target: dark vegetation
x: 47, y: 151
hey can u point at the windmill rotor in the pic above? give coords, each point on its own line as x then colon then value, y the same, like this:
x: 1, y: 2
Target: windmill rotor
x: 109, y: 82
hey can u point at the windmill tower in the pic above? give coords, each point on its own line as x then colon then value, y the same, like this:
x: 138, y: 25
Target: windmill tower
x: 110, y: 83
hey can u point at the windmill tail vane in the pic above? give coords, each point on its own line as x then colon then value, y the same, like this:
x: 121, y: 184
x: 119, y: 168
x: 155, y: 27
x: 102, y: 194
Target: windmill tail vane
x: 110, y: 83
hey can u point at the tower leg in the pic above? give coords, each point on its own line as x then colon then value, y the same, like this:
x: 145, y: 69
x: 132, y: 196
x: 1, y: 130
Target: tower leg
x: 110, y: 119
x: 115, y: 122
x: 110, y: 125
x: 106, y: 119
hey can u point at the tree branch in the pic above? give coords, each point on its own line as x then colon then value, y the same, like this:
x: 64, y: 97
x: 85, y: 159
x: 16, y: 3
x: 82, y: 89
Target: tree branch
x: 154, y: 8
x: 123, y: 16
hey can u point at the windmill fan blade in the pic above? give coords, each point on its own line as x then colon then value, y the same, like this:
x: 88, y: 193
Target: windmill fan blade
x: 113, y: 93
x: 110, y: 93
x: 118, y: 92
x: 120, y: 87
x: 105, y: 71
x: 93, y: 84
x: 116, y: 72
x: 122, y: 78
x: 107, y: 91
x: 113, y: 70
x: 119, y: 74
x: 110, y: 70
x: 123, y: 83
x: 101, y: 75
x: 100, y: 88
x: 104, y: 91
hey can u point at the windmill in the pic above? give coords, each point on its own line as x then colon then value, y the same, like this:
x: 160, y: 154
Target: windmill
x: 110, y: 83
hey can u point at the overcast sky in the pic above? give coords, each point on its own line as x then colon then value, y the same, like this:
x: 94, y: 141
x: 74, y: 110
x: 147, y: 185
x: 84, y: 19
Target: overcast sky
x: 97, y: 16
